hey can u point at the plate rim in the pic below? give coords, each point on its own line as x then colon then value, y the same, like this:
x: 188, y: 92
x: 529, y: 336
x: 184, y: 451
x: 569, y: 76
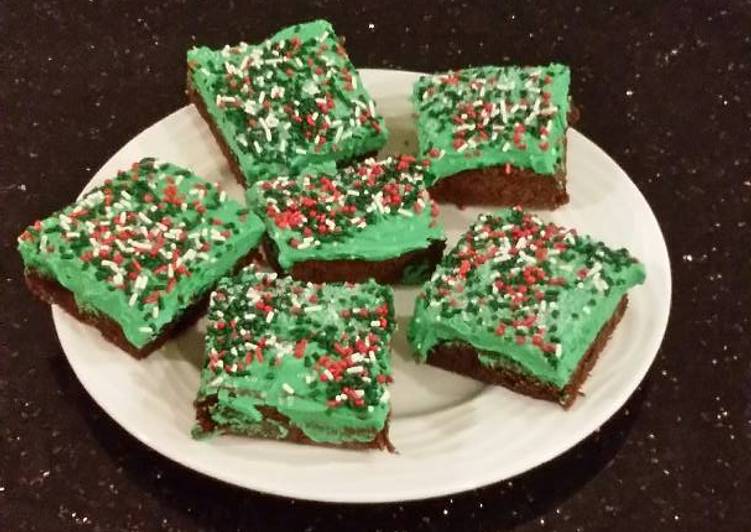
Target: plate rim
x: 520, y: 466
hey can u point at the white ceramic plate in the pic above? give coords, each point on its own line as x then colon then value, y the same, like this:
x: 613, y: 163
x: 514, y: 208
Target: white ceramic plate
x: 453, y: 434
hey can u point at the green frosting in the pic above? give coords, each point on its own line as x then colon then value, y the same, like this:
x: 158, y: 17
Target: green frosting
x: 142, y: 247
x: 527, y: 295
x: 291, y: 101
x: 317, y: 354
x: 492, y: 116
x: 374, y: 210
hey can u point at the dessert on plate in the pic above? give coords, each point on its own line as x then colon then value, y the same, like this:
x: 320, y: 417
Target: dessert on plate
x: 373, y: 220
x: 496, y: 135
x: 286, y: 103
x: 295, y: 361
x: 523, y: 303
x: 138, y: 256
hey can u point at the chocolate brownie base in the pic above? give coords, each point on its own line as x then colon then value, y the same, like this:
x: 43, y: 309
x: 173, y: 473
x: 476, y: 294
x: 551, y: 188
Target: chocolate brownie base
x: 53, y: 293
x: 389, y: 271
x: 462, y: 358
x: 234, y: 166
x: 294, y: 433
x: 502, y: 186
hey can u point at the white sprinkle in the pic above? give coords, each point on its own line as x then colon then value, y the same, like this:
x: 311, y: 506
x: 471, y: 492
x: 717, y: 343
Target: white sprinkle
x: 269, y: 316
x: 111, y: 265
x: 146, y: 329
x: 266, y: 129
x: 600, y: 284
x: 289, y: 389
x: 595, y: 269
x: 133, y: 299
x: 386, y: 396
x: 221, y: 100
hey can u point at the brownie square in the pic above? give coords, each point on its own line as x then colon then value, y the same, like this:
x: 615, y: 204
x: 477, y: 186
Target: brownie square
x: 288, y: 102
x: 296, y: 361
x: 495, y: 135
x: 137, y: 256
x: 374, y: 220
x: 523, y: 303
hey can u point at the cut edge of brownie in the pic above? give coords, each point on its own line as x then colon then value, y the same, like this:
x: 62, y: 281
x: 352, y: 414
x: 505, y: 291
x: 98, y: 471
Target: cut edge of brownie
x: 387, y: 271
x: 195, y: 98
x: 502, y: 186
x: 506, y: 185
x: 462, y: 358
x: 294, y: 433
x: 52, y: 292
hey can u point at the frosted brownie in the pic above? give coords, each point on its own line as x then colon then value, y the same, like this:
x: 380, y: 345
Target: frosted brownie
x: 288, y: 102
x: 524, y: 304
x: 496, y: 135
x: 296, y: 361
x: 370, y: 220
x: 138, y: 256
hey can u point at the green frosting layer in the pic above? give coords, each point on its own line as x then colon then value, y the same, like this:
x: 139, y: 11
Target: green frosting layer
x: 374, y: 210
x: 491, y: 116
x: 142, y: 247
x: 291, y: 101
x: 318, y: 354
x: 527, y: 294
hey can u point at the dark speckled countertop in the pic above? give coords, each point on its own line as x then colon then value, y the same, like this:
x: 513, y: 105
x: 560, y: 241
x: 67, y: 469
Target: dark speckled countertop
x: 665, y: 89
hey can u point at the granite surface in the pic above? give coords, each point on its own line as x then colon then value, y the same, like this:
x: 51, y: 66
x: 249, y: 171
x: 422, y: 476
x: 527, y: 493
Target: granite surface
x: 664, y: 88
